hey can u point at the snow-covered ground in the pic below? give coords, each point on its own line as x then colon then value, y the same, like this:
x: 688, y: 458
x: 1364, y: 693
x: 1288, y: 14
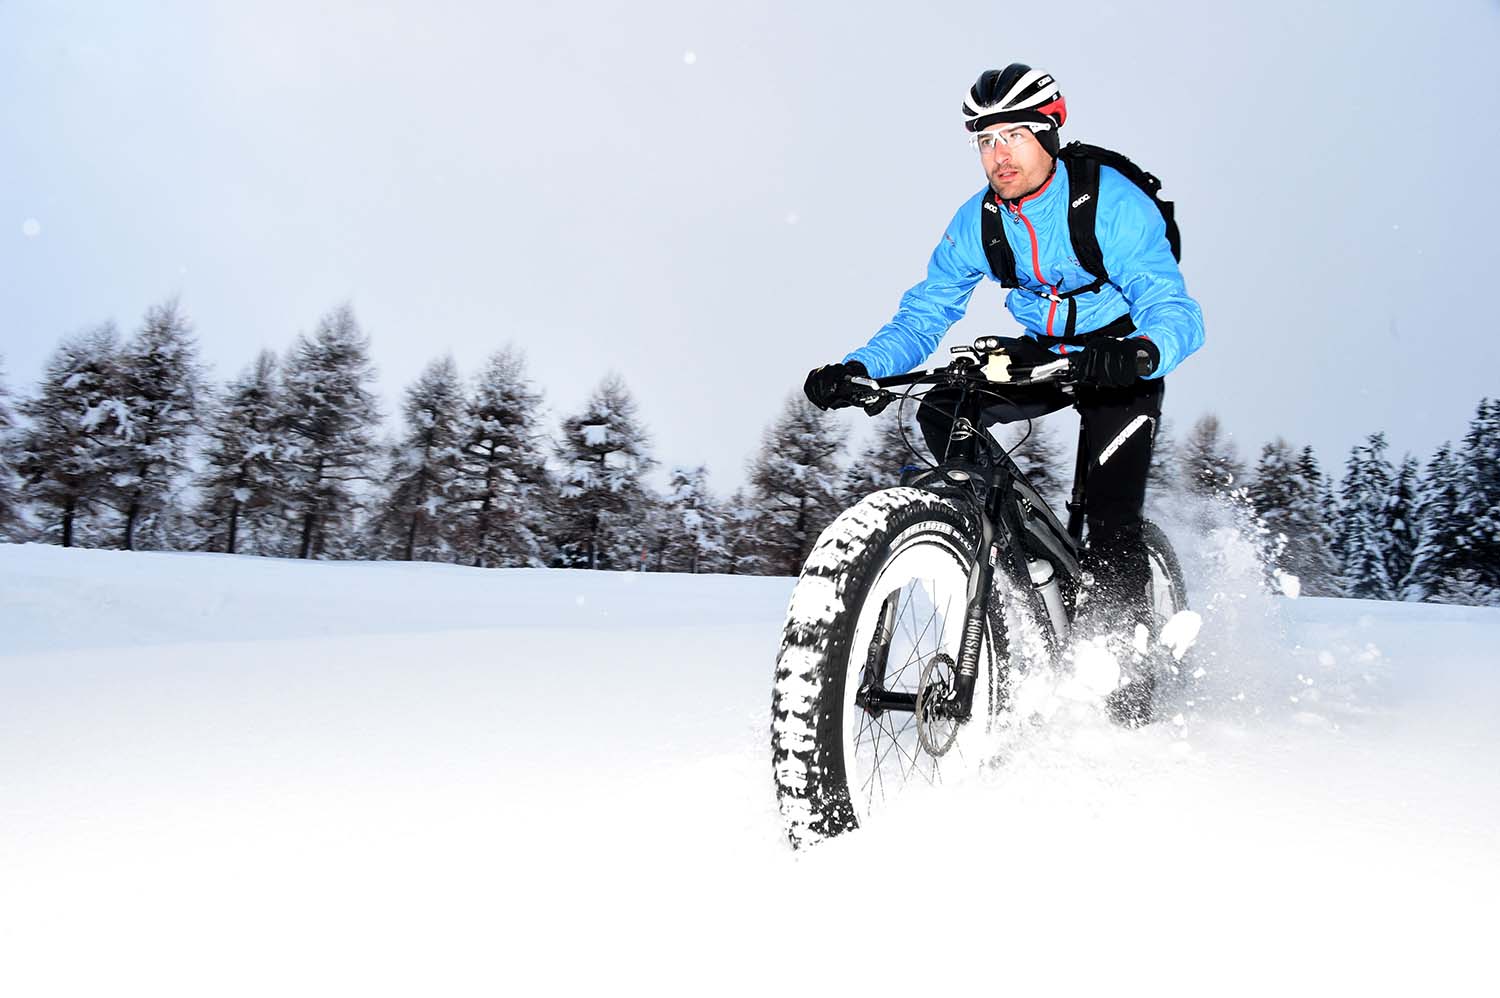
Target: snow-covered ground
x: 225, y: 776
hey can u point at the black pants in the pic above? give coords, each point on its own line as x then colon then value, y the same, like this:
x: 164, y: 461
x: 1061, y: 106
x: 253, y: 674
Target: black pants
x: 1119, y: 426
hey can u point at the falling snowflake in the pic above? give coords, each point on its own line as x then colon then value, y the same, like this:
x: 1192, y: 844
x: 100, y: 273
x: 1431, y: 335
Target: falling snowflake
x: 689, y: 57
x: 31, y: 228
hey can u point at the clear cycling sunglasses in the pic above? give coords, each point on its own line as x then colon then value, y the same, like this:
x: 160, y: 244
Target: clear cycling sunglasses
x: 986, y: 141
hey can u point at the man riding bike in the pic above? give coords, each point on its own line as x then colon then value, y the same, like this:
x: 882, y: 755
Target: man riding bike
x: 1138, y: 319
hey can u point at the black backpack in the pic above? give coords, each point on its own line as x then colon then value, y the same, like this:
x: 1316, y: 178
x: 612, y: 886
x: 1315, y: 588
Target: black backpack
x: 1083, y: 162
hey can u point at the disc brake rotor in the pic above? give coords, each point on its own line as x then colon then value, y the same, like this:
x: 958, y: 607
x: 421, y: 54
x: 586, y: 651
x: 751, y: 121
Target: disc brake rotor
x: 935, y: 731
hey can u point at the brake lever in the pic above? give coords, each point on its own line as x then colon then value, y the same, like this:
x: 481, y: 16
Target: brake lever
x: 877, y: 400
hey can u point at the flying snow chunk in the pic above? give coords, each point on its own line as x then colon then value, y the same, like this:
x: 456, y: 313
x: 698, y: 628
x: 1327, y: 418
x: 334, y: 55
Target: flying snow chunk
x: 1180, y: 632
x: 1095, y: 668
x: 1289, y: 584
x: 792, y: 218
x: 31, y: 228
x: 689, y: 57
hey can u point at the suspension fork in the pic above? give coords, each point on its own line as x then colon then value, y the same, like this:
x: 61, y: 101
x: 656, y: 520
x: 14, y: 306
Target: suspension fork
x: 960, y: 703
x: 966, y: 438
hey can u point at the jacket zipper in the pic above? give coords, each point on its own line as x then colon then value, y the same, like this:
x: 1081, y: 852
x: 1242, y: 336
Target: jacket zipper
x: 1036, y: 268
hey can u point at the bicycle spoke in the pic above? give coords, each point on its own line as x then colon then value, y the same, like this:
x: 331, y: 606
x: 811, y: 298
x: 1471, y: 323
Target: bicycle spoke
x: 907, y: 604
x: 896, y: 745
x: 888, y: 754
x: 916, y: 656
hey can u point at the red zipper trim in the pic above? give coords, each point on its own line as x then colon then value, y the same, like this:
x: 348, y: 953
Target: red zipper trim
x: 1036, y: 263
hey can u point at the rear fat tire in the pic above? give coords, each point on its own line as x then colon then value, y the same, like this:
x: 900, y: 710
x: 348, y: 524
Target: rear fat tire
x: 826, y: 640
x: 1134, y: 703
x: 1168, y: 587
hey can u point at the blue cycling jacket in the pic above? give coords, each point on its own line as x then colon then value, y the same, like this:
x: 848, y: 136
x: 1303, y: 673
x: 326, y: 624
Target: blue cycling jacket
x: 1143, y: 277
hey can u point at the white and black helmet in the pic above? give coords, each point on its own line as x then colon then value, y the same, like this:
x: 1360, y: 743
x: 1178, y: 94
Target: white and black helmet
x: 1016, y: 93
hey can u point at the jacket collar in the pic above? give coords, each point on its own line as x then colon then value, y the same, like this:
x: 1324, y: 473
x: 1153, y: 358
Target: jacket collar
x: 1052, y: 190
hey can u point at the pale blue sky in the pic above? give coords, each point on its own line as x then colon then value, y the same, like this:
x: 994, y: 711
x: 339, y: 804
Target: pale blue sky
x: 710, y: 200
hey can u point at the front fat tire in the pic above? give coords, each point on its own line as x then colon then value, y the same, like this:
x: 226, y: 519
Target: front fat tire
x: 812, y: 706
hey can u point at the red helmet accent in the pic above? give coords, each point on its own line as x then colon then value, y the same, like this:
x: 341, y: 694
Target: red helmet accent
x: 1057, y: 109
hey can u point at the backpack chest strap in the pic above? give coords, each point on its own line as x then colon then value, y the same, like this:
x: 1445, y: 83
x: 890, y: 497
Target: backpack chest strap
x: 1114, y: 329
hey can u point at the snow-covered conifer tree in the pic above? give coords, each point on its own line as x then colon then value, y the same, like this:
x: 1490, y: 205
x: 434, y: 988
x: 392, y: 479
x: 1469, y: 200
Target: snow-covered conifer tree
x: 693, y: 525
x: 744, y: 542
x: 415, y: 517
x: 1315, y: 564
x: 325, y: 427
x: 602, y: 506
x: 161, y: 388
x: 654, y: 524
x: 1400, y: 519
x: 68, y: 454
x: 1276, y: 494
x: 1364, y: 527
x: 795, y: 478
x: 9, y: 509
x: 1465, y: 587
x: 503, y: 495
x: 1285, y: 494
x: 1478, y: 509
x: 889, y: 450
x: 237, y: 486
x: 1210, y: 465
x: 1436, y: 557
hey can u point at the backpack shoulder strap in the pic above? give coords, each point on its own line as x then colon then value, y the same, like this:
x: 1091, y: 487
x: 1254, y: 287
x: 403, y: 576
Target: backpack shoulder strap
x: 997, y: 251
x: 1083, y: 207
x: 1084, y: 162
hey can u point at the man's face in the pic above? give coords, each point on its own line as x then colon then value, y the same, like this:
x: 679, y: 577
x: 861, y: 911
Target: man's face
x: 1017, y: 166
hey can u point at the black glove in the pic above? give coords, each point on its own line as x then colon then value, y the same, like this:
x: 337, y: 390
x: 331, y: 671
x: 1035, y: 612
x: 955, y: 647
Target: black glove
x: 828, y: 387
x: 1114, y: 363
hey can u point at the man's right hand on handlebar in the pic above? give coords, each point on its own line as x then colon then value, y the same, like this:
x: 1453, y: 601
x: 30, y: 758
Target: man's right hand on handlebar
x: 829, y: 387
x: 1114, y: 363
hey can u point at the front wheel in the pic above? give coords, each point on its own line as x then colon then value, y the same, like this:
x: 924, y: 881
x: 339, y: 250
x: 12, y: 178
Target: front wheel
x: 871, y: 641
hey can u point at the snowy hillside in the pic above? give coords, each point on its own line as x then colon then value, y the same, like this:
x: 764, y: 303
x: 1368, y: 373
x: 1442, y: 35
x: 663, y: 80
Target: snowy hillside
x: 235, y: 776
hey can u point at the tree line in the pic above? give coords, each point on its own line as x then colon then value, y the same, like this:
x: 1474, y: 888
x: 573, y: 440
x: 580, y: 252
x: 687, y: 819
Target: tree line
x: 125, y: 443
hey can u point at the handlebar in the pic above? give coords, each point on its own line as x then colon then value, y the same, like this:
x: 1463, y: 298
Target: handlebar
x: 984, y: 362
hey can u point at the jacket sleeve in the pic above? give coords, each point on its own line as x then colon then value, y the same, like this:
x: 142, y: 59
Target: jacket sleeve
x: 928, y: 309
x: 1133, y: 239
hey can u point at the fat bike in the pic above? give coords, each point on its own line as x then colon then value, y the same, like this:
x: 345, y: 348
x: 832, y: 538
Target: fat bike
x: 897, y: 655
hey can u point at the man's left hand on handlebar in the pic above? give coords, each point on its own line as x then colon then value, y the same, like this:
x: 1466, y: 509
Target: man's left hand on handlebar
x: 1114, y: 363
x: 829, y: 387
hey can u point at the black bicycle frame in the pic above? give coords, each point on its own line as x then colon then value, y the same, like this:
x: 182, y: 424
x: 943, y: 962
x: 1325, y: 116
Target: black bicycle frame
x: 1012, y: 519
